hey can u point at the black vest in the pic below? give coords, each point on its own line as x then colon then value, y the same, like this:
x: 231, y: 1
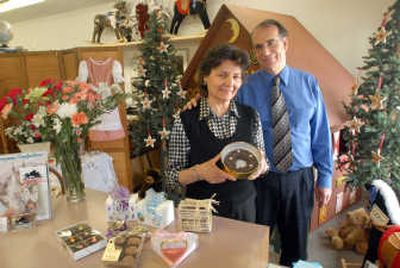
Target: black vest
x: 204, y: 146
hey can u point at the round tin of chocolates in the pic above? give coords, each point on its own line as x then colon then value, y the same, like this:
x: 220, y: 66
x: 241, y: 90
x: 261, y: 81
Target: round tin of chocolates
x: 240, y: 159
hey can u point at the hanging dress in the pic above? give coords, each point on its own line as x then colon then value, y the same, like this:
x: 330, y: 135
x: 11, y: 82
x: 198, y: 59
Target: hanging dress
x: 102, y: 74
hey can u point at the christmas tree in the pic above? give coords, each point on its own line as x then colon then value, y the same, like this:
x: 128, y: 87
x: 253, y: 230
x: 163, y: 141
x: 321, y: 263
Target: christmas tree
x: 156, y: 88
x: 372, y: 134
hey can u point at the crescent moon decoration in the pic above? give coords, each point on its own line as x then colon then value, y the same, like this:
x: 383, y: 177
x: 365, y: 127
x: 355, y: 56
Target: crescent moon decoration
x: 235, y: 28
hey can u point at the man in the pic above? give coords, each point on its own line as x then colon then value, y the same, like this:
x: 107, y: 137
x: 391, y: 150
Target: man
x: 285, y: 197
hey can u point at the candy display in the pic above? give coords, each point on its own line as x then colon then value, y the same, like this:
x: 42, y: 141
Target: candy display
x: 120, y: 205
x: 124, y: 250
x: 81, y: 240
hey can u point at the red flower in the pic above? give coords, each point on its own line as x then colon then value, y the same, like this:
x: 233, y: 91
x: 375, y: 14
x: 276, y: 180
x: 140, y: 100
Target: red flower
x: 48, y: 92
x: 28, y: 117
x: 32, y: 127
x: 46, y: 82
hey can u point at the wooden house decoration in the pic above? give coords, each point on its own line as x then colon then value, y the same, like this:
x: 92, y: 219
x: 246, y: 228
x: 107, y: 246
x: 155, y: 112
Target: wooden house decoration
x: 233, y: 24
x: 196, y: 215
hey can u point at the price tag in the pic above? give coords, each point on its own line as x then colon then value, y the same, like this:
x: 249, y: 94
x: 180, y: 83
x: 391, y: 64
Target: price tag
x: 111, y: 253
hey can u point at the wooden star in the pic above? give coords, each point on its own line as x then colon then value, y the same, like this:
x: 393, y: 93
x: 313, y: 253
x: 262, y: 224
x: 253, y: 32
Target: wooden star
x: 181, y: 93
x: 150, y: 141
x: 376, y: 101
x: 164, y: 133
x: 376, y: 157
x: 355, y: 124
x: 147, y: 103
x: 381, y: 35
x: 165, y: 93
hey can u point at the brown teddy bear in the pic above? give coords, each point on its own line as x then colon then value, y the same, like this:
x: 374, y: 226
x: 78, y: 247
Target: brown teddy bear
x: 352, y: 233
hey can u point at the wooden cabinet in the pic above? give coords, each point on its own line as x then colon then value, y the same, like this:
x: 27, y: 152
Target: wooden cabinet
x: 12, y: 72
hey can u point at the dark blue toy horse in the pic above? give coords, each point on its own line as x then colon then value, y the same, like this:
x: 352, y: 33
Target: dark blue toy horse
x: 187, y: 7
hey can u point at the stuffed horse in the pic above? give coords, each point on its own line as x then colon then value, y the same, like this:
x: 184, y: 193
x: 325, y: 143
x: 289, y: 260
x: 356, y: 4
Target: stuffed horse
x: 385, y: 211
x: 120, y: 21
x: 186, y: 7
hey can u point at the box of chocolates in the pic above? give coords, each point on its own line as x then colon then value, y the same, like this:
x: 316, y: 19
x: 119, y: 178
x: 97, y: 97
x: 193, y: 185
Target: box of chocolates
x: 240, y: 159
x: 124, y: 250
x: 81, y: 240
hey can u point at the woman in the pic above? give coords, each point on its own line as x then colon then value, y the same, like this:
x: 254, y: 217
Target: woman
x: 199, y: 135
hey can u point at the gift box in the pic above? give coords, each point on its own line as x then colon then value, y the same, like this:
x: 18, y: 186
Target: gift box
x: 81, y: 240
x: 195, y: 215
x: 155, y: 210
x: 120, y: 205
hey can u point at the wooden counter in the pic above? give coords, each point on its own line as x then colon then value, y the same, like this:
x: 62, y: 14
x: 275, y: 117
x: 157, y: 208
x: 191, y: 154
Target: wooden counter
x: 230, y: 244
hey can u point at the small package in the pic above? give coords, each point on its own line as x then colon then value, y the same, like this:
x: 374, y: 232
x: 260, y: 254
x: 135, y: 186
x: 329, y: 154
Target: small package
x: 81, y: 240
x: 155, y: 210
x: 124, y: 250
x: 120, y: 205
x: 174, y: 248
x: 196, y: 215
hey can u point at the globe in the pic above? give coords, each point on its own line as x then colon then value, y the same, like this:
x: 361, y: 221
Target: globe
x: 5, y: 33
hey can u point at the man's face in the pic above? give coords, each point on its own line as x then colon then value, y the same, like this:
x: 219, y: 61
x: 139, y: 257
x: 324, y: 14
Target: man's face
x: 270, y: 49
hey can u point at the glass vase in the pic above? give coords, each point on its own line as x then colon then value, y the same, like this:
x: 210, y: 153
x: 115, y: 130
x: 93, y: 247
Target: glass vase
x: 69, y: 158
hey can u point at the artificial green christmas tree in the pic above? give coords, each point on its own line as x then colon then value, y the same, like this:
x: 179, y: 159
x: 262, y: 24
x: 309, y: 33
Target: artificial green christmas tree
x: 372, y: 134
x: 157, y: 91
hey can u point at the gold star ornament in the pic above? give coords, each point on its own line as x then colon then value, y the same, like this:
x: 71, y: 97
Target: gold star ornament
x: 377, y: 101
x: 381, y: 35
x: 150, y: 141
x: 355, y: 124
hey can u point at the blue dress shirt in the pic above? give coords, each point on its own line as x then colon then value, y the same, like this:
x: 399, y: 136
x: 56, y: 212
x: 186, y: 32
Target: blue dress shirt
x: 309, y: 126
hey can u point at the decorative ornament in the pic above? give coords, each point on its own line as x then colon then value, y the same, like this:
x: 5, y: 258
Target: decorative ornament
x: 177, y: 115
x: 381, y: 35
x: 146, y: 103
x: 354, y: 89
x: 355, y: 124
x: 163, y: 48
x: 165, y: 93
x: 376, y: 157
x: 164, y: 133
x: 380, y: 82
x: 376, y: 101
x: 235, y: 29
x: 147, y: 83
x: 149, y: 141
x: 181, y: 93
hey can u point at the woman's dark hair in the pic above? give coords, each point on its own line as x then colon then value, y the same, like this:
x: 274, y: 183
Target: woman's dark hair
x: 216, y: 56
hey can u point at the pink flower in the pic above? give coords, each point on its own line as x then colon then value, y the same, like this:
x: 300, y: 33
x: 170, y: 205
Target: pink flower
x: 6, y: 110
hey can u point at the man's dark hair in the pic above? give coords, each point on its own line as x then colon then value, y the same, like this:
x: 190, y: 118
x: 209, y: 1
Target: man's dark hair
x: 216, y: 56
x: 283, y: 32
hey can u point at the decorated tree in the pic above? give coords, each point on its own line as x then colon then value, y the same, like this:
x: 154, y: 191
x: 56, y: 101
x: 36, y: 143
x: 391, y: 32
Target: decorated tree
x: 156, y: 88
x: 372, y: 134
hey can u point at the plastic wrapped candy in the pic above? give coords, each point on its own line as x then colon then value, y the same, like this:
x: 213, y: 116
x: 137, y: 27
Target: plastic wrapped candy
x: 174, y: 248
x: 120, y: 205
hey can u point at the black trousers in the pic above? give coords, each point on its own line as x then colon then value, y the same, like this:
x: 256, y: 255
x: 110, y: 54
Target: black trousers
x: 286, y: 200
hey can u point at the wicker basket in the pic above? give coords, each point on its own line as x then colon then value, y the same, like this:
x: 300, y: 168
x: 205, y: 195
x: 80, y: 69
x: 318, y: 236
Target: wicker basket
x: 196, y: 215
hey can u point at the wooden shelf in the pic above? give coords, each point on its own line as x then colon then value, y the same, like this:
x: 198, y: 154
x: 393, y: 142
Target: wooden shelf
x: 174, y: 39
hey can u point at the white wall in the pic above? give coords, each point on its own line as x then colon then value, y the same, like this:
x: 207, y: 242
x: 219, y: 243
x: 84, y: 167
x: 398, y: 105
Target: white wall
x: 342, y: 26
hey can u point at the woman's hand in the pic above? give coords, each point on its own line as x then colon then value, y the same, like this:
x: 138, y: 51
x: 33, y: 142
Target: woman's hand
x: 262, y: 168
x: 210, y: 172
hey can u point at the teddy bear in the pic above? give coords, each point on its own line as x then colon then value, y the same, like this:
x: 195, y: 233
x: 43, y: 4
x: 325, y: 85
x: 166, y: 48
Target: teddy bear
x: 352, y: 233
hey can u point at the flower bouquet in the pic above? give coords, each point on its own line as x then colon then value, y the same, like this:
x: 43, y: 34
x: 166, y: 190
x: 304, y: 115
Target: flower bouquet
x: 63, y: 113
x: 76, y: 108
x: 27, y: 111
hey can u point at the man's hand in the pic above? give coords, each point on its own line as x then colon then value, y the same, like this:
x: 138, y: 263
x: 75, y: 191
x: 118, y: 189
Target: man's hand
x: 209, y: 171
x: 323, y: 196
x: 191, y: 103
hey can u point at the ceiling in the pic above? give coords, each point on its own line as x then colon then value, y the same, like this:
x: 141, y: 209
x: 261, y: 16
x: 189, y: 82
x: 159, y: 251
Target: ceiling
x: 49, y: 7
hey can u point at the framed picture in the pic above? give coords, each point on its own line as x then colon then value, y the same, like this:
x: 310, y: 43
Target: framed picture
x: 24, y: 185
x: 182, y: 54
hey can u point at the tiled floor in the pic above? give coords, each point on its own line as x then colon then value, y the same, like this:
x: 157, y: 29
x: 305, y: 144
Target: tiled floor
x: 319, y: 249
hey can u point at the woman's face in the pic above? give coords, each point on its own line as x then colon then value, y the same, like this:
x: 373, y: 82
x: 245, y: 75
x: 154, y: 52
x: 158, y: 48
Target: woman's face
x: 224, y: 81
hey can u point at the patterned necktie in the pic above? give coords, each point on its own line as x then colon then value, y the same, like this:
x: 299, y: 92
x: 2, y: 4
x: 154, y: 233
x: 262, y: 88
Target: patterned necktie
x: 282, y: 146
